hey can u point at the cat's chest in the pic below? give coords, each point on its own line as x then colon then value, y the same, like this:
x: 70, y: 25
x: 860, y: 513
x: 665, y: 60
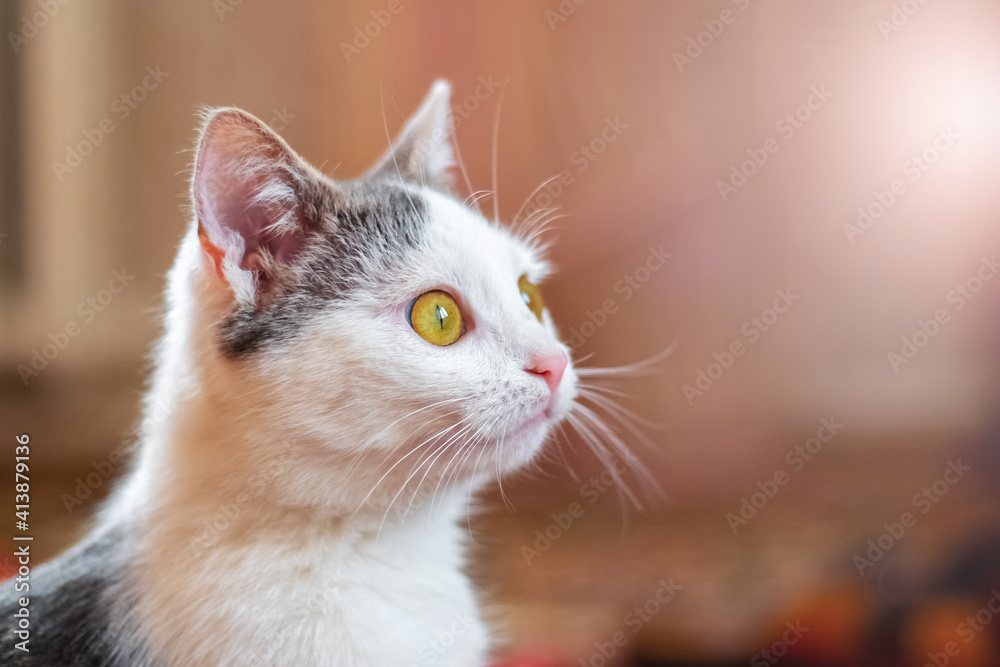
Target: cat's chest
x: 280, y: 604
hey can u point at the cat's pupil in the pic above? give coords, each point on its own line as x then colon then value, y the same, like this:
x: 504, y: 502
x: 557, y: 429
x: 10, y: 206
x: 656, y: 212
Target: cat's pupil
x: 442, y: 315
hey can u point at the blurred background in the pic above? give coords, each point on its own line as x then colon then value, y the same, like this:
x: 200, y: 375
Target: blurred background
x: 801, y: 197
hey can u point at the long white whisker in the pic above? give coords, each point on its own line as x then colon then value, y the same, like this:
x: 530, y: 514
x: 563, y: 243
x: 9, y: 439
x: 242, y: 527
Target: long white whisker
x: 536, y: 221
x: 479, y: 436
x: 591, y: 439
x: 419, y: 164
x: 503, y: 495
x: 538, y: 214
x: 387, y: 472
x: 392, y: 152
x: 461, y: 162
x: 621, y: 414
x: 472, y: 489
x: 542, y: 226
x: 445, y: 479
x: 603, y: 389
x: 474, y: 198
x: 426, y: 407
x: 564, y: 437
x: 438, y: 448
x: 603, y: 456
x: 360, y: 456
x: 469, y: 448
x: 642, y: 473
x: 534, y: 192
x: 643, y: 367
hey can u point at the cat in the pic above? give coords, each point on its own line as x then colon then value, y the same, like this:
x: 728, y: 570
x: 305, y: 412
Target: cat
x: 330, y: 348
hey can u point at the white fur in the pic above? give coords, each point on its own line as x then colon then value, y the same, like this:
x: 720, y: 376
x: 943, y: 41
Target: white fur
x: 335, y: 559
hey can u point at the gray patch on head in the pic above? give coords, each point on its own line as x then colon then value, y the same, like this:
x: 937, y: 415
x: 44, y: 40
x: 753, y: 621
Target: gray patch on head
x: 82, y: 609
x: 361, y: 230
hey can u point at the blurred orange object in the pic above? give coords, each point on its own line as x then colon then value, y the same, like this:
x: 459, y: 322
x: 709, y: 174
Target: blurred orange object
x: 940, y: 634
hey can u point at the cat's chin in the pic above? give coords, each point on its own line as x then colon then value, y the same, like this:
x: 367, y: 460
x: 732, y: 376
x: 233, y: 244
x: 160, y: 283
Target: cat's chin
x: 533, y: 424
x: 526, y: 441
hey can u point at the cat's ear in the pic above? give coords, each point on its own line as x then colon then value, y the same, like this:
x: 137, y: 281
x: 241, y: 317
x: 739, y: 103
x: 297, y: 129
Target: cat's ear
x: 422, y: 152
x: 246, y: 198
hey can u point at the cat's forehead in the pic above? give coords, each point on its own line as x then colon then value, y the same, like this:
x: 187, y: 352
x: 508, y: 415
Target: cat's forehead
x: 381, y: 228
x: 463, y: 234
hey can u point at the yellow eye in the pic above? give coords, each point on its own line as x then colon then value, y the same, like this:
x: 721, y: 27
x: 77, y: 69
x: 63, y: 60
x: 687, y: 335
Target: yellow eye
x: 531, y: 296
x: 436, y: 317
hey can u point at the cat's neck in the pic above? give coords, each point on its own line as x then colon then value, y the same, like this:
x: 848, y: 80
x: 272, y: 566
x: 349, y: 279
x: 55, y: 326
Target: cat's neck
x: 305, y: 583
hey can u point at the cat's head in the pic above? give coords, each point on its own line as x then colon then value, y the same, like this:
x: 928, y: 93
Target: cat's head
x: 388, y: 326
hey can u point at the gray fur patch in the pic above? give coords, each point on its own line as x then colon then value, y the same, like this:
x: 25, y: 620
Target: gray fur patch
x: 359, y: 232
x: 81, y: 609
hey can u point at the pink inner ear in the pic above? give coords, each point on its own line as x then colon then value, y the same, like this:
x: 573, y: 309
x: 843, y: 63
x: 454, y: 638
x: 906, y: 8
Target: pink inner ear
x: 253, y: 223
x: 238, y: 162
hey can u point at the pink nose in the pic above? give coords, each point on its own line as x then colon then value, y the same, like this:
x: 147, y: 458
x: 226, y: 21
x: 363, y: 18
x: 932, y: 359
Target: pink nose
x: 550, y: 368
